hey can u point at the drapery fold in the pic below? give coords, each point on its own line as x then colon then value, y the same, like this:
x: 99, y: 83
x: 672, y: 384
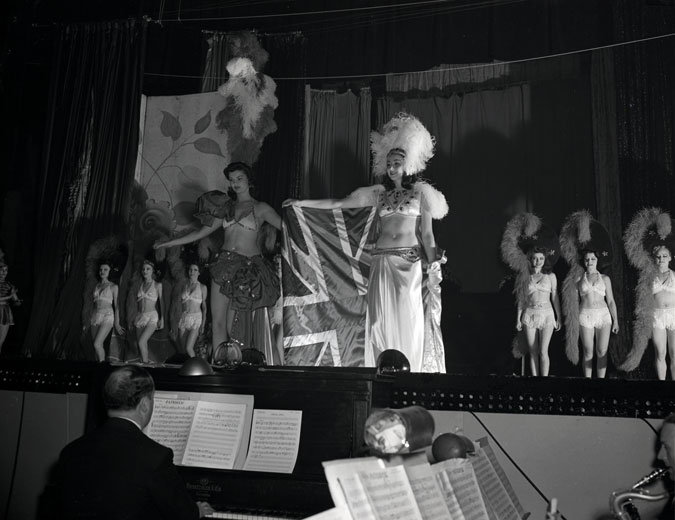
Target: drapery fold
x: 87, y: 174
x: 338, y: 130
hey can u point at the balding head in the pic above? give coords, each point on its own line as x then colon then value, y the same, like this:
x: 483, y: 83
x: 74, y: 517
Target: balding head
x: 128, y: 392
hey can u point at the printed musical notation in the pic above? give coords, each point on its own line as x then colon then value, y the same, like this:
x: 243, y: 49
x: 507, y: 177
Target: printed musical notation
x: 275, y: 439
x: 203, y: 430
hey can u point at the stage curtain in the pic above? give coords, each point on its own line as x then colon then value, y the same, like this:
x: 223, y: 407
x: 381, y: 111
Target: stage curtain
x: 279, y: 166
x: 338, y: 130
x: 89, y: 157
x: 499, y: 150
x: 608, y: 192
x: 644, y: 75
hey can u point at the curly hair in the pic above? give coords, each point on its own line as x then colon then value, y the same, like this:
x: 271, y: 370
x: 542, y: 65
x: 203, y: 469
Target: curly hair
x: 247, y: 170
x: 407, y: 182
x: 547, y: 267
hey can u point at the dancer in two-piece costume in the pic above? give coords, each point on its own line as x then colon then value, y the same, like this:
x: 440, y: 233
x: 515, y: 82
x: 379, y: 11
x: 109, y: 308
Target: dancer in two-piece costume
x: 106, y: 314
x: 150, y: 308
x: 649, y: 241
x: 242, y: 279
x: 193, y: 310
x: 588, y: 299
x: 395, y: 316
x: 530, y: 249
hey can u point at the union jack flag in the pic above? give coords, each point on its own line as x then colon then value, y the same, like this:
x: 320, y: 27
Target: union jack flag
x: 326, y: 258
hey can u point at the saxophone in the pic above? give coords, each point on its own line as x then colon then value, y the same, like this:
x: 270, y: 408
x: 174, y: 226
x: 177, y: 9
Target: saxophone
x: 621, y: 501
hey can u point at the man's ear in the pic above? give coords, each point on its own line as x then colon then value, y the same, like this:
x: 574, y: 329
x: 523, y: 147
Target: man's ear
x: 145, y: 405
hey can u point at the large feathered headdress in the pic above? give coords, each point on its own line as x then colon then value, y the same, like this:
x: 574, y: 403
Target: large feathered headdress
x: 406, y: 134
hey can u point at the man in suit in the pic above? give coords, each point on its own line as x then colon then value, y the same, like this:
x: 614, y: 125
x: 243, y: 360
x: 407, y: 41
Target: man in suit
x: 117, y: 472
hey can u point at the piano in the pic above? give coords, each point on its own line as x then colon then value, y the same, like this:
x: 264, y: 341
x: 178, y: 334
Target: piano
x: 335, y: 404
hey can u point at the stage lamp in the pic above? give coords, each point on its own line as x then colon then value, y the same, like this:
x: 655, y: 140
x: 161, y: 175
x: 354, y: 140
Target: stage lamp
x: 392, y: 361
x: 227, y: 354
x: 195, y: 366
x: 398, y: 431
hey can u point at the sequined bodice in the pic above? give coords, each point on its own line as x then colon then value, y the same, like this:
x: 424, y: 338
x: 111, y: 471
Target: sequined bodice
x: 399, y: 201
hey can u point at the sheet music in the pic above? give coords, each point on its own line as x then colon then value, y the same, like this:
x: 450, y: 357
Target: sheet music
x: 356, y: 497
x: 491, y: 485
x: 215, y: 435
x: 447, y: 491
x: 275, y: 439
x: 427, y: 492
x: 346, y: 468
x: 465, y: 486
x: 390, y: 494
x: 170, y: 424
x: 489, y: 452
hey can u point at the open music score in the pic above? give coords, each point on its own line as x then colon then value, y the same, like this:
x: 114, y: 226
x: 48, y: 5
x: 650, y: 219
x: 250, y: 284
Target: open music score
x: 275, y: 440
x: 211, y: 430
x: 413, y: 489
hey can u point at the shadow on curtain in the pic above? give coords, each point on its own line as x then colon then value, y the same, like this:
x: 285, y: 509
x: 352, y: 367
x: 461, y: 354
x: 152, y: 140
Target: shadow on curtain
x: 338, y: 143
x: 88, y: 168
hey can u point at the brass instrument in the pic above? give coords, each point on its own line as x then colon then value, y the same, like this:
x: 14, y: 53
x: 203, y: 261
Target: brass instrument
x: 621, y: 501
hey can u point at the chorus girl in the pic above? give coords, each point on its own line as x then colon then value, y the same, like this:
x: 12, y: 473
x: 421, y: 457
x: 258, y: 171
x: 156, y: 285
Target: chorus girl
x: 150, y: 308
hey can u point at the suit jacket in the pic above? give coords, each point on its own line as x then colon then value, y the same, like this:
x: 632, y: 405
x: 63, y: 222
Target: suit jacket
x: 117, y: 472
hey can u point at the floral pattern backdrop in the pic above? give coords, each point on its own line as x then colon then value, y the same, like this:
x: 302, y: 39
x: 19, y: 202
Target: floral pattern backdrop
x: 182, y: 154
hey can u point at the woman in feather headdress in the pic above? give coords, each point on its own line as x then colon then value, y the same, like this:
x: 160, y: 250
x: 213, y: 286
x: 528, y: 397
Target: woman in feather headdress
x: 530, y: 249
x: 649, y: 241
x: 395, y: 316
x: 588, y: 299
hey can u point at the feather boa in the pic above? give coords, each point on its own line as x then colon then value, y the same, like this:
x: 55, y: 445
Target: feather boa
x: 523, y: 224
x: 575, y: 232
x: 642, y: 260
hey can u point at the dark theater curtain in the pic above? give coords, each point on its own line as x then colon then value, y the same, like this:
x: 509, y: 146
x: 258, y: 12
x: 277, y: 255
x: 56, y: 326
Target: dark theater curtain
x: 644, y: 75
x: 88, y: 168
x: 519, y: 139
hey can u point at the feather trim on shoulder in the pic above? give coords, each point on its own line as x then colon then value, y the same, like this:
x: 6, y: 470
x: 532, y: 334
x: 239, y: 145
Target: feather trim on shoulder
x: 435, y: 200
x: 366, y: 196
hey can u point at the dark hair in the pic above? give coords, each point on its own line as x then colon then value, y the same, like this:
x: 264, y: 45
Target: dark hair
x: 248, y: 171
x: 109, y: 264
x: 407, y: 182
x: 126, y: 386
x: 547, y: 267
x: 190, y: 263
